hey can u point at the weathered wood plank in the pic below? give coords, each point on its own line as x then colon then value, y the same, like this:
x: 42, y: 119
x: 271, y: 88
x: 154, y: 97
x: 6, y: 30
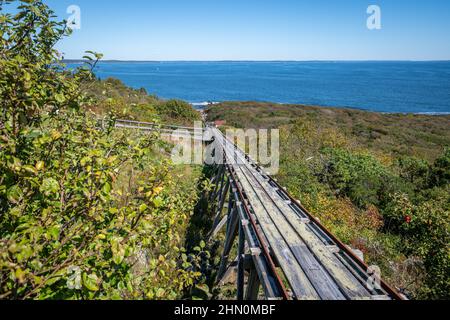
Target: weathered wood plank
x: 299, y: 281
x: 271, y: 290
x: 253, y: 285
x: 341, y: 275
x: 241, y: 270
x: 318, y: 278
x: 219, y: 227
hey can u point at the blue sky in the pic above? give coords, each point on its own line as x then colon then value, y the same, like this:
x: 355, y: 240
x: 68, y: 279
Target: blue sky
x: 258, y: 29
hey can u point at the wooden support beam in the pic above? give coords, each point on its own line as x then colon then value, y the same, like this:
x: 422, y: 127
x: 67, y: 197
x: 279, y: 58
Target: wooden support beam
x: 222, y: 198
x: 213, y: 180
x: 232, y: 205
x: 271, y: 290
x: 219, y: 191
x: 223, y: 190
x: 229, y: 240
x: 219, y: 212
x: 255, y: 260
x: 241, y: 269
x: 220, y: 177
x: 219, y: 227
x: 253, y: 285
x: 215, y: 174
x: 229, y: 276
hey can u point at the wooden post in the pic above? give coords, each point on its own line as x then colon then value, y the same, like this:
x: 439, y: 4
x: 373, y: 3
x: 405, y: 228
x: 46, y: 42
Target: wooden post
x: 223, y: 194
x: 220, y: 189
x: 217, y: 181
x: 218, y: 214
x: 229, y: 239
x: 241, y: 269
x: 253, y: 286
x: 218, y: 227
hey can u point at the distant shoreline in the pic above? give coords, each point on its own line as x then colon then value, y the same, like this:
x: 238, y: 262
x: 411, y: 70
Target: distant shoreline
x: 388, y: 87
x: 252, y: 61
x: 204, y: 105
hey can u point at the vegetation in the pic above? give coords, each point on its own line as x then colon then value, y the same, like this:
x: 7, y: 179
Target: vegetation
x: 111, y: 96
x: 380, y: 182
x: 418, y: 136
x: 86, y: 212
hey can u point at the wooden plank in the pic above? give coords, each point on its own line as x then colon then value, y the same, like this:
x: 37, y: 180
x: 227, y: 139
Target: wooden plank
x: 232, y: 229
x: 318, y: 279
x: 340, y: 274
x: 299, y: 281
x: 253, y: 285
x: 268, y: 283
x: 241, y: 270
x: 219, y: 227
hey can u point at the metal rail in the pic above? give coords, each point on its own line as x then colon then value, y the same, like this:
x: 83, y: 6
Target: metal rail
x: 261, y: 240
x: 154, y: 125
x: 314, y: 263
x: 281, y: 247
x: 171, y: 131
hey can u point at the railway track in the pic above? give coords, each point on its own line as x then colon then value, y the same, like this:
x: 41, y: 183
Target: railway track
x: 168, y: 131
x: 281, y: 247
x: 303, y: 259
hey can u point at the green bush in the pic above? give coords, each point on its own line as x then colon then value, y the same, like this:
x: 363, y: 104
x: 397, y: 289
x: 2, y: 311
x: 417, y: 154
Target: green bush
x: 86, y: 212
x: 113, y: 96
x: 414, y: 170
x: 361, y: 177
x: 177, y: 109
x: 441, y: 169
x: 425, y: 229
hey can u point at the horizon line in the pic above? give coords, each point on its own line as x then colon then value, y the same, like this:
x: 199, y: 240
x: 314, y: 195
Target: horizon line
x: 274, y: 60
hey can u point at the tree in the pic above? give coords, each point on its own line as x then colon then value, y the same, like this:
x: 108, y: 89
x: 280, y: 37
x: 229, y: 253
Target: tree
x: 441, y: 169
x: 86, y: 212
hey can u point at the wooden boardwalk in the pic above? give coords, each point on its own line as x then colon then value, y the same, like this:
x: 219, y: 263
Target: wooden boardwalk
x: 283, y: 252
x: 167, y: 131
x: 300, y: 259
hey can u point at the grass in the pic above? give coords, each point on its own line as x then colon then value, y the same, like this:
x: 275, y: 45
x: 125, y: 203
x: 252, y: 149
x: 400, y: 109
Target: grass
x: 421, y: 136
x: 349, y: 167
x: 112, y: 96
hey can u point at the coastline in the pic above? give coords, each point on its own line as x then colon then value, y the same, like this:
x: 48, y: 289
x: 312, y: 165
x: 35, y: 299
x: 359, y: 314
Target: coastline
x: 205, y: 104
x: 389, y: 87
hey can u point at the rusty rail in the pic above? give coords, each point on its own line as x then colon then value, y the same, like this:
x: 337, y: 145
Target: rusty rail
x: 348, y: 261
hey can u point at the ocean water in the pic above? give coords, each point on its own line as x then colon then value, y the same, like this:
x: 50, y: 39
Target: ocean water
x: 406, y: 87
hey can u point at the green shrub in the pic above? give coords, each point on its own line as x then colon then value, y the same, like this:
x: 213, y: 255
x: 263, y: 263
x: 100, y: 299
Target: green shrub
x: 414, y: 170
x: 441, y: 169
x: 86, y: 212
x: 361, y: 177
x: 177, y: 109
x: 425, y: 229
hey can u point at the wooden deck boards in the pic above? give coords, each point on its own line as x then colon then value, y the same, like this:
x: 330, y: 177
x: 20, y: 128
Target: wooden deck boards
x: 311, y: 268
